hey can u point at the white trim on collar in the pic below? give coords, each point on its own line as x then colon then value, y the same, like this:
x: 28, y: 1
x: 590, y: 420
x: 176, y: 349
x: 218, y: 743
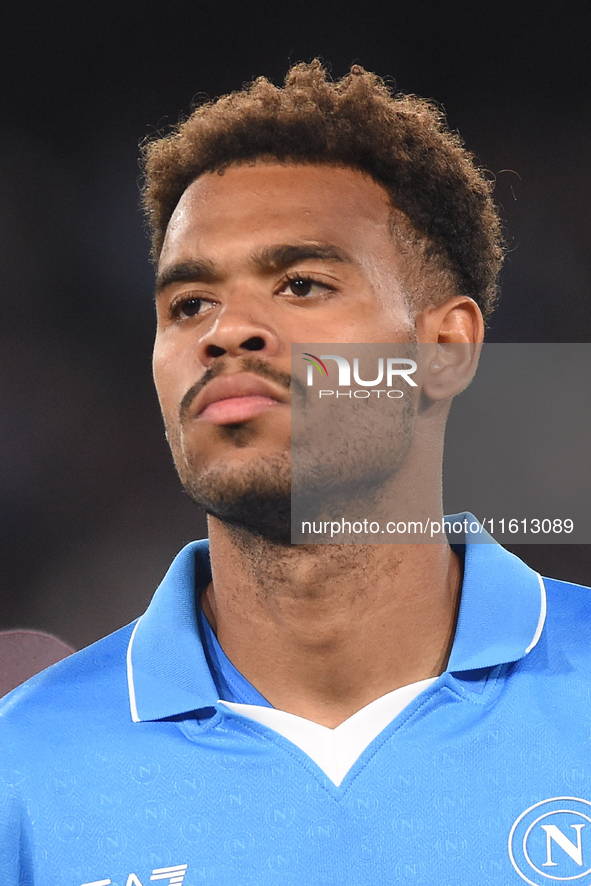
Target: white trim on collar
x: 542, y: 618
x: 131, y: 686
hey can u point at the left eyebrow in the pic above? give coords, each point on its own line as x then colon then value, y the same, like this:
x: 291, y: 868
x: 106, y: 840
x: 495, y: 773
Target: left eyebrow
x: 277, y: 258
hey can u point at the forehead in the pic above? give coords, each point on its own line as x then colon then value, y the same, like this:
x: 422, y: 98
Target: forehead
x: 277, y: 202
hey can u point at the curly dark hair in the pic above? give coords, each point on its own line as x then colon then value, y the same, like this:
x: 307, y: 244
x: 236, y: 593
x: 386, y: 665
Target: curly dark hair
x: 443, y: 212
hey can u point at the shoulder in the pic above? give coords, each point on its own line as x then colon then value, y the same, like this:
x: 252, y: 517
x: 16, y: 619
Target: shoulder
x: 568, y: 607
x: 70, y: 695
x: 54, y: 739
x: 564, y: 647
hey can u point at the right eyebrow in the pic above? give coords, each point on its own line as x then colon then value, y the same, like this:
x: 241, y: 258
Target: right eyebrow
x: 190, y: 271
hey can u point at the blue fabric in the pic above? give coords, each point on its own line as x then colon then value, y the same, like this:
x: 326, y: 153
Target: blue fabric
x: 456, y: 790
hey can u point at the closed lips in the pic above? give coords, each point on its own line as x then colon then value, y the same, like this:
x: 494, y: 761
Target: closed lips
x: 237, y: 397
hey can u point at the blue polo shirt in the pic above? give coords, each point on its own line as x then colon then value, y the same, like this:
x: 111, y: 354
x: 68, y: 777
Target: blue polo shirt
x: 118, y: 766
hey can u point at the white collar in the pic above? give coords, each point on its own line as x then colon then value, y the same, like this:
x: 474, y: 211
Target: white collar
x: 334, y: 750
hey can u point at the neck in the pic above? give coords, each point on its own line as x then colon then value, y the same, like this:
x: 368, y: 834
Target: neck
x: 323, y: 630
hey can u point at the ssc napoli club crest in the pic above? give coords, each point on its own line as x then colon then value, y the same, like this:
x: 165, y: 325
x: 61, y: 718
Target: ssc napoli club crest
x: 551, y: 842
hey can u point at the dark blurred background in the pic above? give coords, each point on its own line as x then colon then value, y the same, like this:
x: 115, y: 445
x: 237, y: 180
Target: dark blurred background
x: 90, y: 510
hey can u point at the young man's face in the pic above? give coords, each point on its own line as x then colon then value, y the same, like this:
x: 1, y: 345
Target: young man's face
x: 253, y: 260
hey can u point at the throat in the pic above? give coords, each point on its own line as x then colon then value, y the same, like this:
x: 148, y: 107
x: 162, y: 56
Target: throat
x: 322, y: 631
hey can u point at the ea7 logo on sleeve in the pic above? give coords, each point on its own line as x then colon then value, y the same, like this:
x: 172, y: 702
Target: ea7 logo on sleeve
x: 173, y: 876
x: 551, y: 842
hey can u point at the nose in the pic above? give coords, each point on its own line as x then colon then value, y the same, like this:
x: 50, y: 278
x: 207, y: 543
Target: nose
x: 235, y: 333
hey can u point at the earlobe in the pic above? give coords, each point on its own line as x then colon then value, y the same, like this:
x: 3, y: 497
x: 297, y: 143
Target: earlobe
x: 449, y: 368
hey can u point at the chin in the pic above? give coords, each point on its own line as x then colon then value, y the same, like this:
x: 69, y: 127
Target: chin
x: 254, y: 498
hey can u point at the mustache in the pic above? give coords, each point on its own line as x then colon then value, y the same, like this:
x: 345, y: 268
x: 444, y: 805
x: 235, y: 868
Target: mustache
x: 248, y: 364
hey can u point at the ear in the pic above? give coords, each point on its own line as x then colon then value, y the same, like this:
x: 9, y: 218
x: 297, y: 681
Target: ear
x: 456, y: 320
x: 450, y: 337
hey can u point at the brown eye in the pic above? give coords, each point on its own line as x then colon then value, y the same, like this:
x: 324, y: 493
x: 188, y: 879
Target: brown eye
x: 301, y: 286
x: 183, y: 308
x: 191, y: 307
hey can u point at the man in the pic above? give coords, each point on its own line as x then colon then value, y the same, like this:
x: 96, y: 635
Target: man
x: 311, y: 714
